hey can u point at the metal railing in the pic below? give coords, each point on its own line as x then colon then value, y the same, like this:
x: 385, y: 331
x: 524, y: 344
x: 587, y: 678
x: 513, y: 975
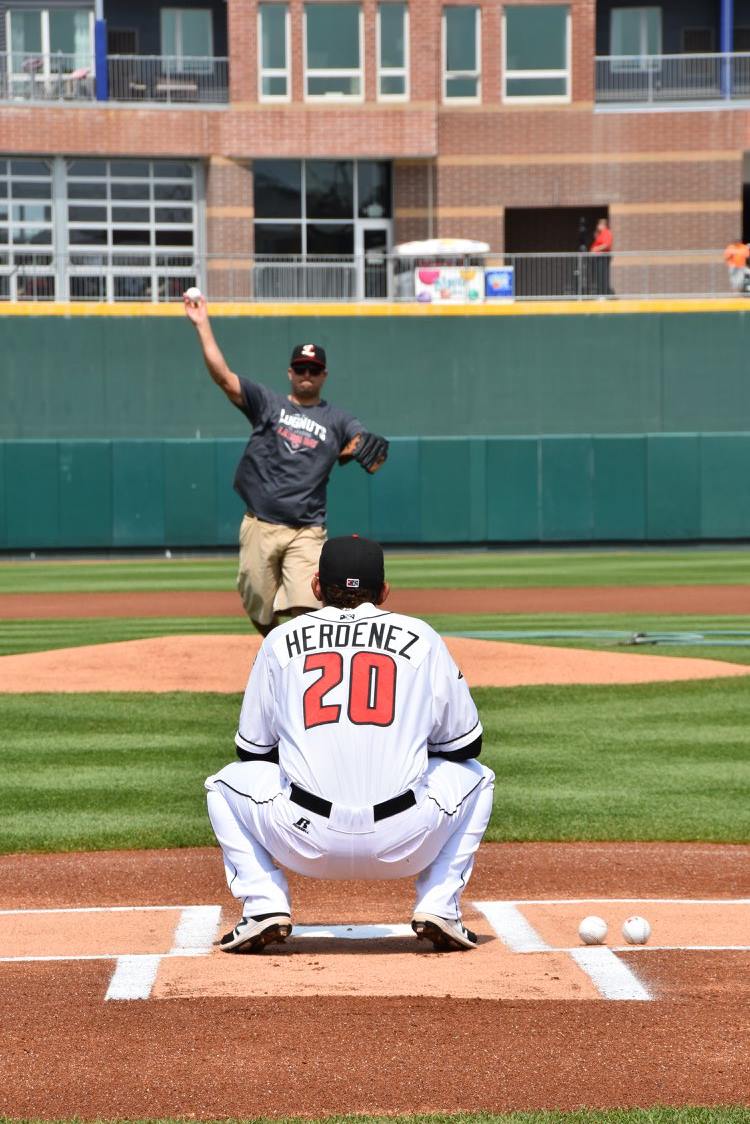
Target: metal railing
x: 653, y: 79
x: 52, y: 77
x: 157, y: 276
x: 162, y: 79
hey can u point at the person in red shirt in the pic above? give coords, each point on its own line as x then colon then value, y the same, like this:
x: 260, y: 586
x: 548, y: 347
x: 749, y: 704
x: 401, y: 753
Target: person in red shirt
x: 736, y: 255
x: 602, y: 245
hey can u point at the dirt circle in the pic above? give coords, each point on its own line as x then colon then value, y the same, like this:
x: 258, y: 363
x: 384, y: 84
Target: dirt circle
x: 222, y: 664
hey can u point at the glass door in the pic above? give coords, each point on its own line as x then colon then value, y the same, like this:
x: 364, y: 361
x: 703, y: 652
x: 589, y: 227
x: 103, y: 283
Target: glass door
x: 372, y: 245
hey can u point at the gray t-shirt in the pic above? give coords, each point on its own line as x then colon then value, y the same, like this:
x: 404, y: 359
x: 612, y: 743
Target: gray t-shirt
x: 284, y: 469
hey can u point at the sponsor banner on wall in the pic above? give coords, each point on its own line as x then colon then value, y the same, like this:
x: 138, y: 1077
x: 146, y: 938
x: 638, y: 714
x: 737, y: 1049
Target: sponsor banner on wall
x: 499, y: 283
x: 449, y: 284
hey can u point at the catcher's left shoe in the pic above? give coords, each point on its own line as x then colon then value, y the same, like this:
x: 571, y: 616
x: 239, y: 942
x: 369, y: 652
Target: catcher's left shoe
x: 252, y: 934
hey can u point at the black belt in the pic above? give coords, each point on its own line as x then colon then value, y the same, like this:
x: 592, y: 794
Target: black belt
x: 380, y: 811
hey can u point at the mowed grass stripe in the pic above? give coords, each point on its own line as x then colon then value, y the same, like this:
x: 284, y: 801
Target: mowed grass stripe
x: 654, y: 762
x: 42, y: 635
x: 459, y: 570
x: 18, y: 636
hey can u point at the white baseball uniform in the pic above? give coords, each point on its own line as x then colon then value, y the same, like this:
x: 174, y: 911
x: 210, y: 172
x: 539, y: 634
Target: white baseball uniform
x: 358, y: 702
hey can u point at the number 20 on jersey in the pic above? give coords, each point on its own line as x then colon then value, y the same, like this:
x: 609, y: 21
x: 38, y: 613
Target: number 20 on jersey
x: 372, y: 688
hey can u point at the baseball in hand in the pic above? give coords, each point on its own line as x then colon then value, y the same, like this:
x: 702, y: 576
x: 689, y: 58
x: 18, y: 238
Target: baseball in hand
x: 636, y: 930
x: 193, y: 294
x: 592, y: 930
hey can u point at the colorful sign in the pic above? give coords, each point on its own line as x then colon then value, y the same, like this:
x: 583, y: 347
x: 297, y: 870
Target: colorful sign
x: 449, y: 284
x: 499, y: 283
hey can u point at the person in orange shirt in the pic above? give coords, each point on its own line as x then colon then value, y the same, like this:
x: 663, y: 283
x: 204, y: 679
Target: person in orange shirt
x: 736, y: 255
x: 602, y: 245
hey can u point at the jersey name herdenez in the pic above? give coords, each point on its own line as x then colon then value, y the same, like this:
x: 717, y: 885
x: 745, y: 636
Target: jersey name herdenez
x: 354, y: 699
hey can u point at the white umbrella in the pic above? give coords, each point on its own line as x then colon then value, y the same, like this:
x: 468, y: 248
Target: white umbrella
x: 441, y: 247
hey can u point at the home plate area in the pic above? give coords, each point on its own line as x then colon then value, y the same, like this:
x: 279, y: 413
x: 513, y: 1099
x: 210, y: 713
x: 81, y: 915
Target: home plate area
x: 528, y: 950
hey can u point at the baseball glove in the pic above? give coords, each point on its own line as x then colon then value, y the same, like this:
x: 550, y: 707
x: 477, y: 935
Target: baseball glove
x: 368, y: 449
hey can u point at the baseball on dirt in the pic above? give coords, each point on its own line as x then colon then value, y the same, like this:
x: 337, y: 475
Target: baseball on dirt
x: 193, y: 294
x: 592, y: 930
x: 636, y: 930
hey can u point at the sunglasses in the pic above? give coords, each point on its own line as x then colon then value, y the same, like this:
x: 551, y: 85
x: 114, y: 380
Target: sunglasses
x: 307, y: 370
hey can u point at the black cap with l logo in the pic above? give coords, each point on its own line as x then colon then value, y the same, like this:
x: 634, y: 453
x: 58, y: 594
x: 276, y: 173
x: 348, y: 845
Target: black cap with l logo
x: 308, y: 353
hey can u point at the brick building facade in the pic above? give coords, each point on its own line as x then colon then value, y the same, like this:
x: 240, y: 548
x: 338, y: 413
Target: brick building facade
x: 537, y: 140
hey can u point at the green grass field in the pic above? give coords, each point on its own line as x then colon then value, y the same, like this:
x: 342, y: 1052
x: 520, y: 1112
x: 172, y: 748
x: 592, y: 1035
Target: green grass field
x: 426, y: 570
x: 649, y: 762
x: 665, y: 761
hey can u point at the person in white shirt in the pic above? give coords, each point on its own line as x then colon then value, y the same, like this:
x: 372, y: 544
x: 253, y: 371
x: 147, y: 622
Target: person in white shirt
x: 357, y: 746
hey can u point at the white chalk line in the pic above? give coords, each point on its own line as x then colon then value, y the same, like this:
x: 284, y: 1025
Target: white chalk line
x: 619, y: 901
x: 610, y: 976
x: 196, y: 930
x: 133, y: 977
x: 106, y: 909
x: 512, y: 927
x: 652, y: 948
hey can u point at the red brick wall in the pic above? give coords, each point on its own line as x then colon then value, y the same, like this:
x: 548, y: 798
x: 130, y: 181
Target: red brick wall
x: 670, y: 179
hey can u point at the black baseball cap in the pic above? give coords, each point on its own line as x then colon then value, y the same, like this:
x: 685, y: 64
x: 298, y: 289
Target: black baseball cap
x: 350, y: 562
x: 308, y: 354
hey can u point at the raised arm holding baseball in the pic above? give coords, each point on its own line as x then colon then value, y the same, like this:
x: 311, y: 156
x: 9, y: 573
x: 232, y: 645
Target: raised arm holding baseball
x: 283, y: 474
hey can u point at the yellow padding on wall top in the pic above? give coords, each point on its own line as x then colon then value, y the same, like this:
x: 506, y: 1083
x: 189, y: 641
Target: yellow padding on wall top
x: 519, y: 308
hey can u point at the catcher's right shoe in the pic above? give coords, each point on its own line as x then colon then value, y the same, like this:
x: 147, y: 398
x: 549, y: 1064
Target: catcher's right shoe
x: 252, y: 934
x: 446, y: 935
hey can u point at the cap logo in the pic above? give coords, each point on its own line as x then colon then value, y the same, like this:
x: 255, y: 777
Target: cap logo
x: 352, y: 583
x: 308, y: 350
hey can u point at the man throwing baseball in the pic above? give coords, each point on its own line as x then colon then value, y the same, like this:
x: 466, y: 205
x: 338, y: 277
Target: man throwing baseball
x: 283, y: 473
x: 357, y: 741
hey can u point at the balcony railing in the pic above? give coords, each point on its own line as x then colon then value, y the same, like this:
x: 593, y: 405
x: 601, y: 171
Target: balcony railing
x: 162, y: 79
x: 672, y: 79
x: 55, y: 77
x: 161, y: 276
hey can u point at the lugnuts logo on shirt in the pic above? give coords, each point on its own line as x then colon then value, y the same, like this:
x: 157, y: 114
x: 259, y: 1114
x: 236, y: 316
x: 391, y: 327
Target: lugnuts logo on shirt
x: 299, y: 432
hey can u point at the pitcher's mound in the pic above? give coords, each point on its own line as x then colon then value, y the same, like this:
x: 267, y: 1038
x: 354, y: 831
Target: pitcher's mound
x: 222, y: 663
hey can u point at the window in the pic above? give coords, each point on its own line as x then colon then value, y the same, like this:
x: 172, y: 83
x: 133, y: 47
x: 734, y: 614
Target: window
x: 273, y: 49
x: 46, y: 42
x: 461, y: 54
x: 187, y: 39
x: 131, y: 228
x: 635, y: 32
x: 328, y: 214
x: 26, y: 231
x: 310, y: 207
x: 393, y: 52
x: 373, y: 189
x: 333, y: 51
x: 536, y: 41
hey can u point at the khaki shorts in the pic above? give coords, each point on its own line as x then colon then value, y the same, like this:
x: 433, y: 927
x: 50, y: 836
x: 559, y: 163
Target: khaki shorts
x: 277, y: 564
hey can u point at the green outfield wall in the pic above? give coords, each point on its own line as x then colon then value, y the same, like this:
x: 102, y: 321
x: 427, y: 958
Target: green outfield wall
x: 114, y: 377
x: 90, y: 494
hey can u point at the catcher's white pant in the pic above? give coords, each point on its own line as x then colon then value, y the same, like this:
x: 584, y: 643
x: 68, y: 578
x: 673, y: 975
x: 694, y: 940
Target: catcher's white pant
x: 436, y: 840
